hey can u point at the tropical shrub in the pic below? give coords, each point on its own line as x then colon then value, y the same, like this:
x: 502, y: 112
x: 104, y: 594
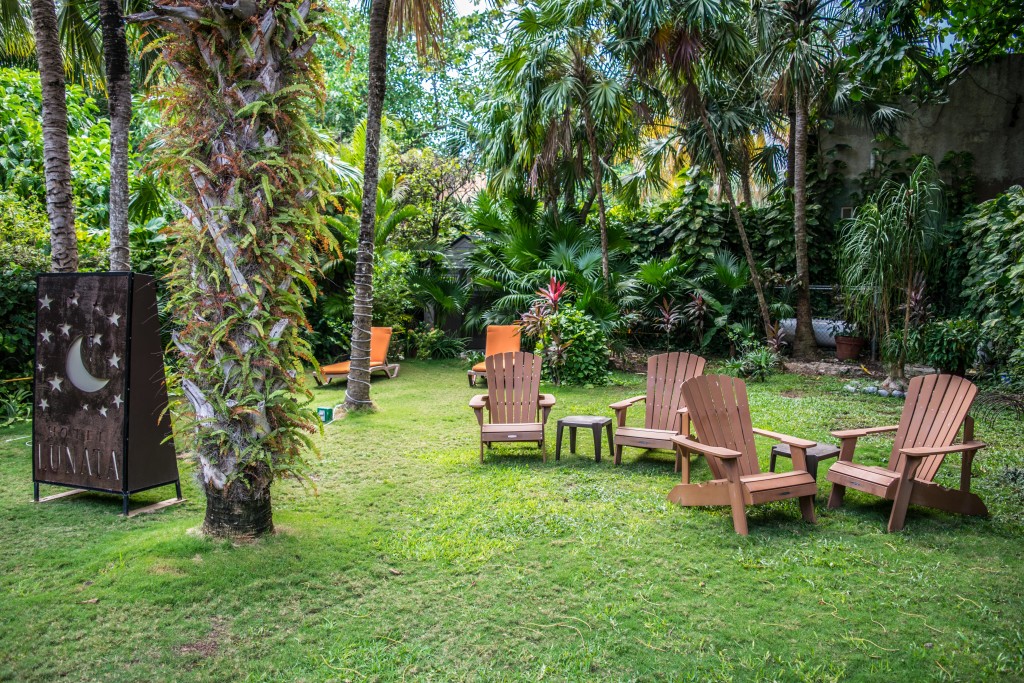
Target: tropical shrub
x: 993, y: 291
x: 756, y: 362
x: 950, y: 345
x: 573, y: 346
x: 23, y: 229
x: 434, y: 343
x: 15, y: 403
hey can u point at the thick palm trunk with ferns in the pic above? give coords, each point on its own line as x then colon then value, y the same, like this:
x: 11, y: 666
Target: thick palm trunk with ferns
x: 723, y: 175
x: 56, y: 158
x: 119, y: 98
x: 357, y: 392
x: 805, y: 345
x: 239, y: 147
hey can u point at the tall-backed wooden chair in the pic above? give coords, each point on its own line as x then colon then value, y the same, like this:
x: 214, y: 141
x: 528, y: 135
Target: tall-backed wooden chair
x: 936, y: 407
x: 380, y: 340
x: 665, y: 414
x: 500, y: 339
x: 720, y: 412
x: 516, y: 410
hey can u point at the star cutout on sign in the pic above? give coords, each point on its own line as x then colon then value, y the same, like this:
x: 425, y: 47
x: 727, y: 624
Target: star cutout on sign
x: 118, y: 401
x: 40, y: 367
x: 113, y: 318
x: 85, y: 406
x: 103, y: 411
x: 115, y: 361
x: 65, y: 329
x: 46, y: 334
x: 45, y: 302
x: 56, y: 382
x: 74, y: 299
x: 44, y: 404
x: 97, y: 339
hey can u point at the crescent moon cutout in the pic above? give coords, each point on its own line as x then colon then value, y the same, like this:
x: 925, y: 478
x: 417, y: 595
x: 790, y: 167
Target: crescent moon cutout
x: 79, y: 376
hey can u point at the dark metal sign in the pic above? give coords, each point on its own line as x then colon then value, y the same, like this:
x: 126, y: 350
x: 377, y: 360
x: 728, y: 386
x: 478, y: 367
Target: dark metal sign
x: 99, y: 386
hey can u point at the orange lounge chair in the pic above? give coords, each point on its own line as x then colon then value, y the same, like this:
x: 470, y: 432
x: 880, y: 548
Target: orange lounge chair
x: 500, y: 339
x: 380, y: 339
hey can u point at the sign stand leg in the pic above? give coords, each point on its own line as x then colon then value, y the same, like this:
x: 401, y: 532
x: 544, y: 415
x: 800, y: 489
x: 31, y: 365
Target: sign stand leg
x: 35, y: 492
x: 177, y: 488
x: 125, y: 505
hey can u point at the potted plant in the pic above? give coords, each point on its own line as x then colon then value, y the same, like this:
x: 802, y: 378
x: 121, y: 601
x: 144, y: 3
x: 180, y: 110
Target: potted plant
x: 849, y: 339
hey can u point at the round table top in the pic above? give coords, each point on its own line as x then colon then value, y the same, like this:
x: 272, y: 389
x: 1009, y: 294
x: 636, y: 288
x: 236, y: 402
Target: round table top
x: 584, y: 420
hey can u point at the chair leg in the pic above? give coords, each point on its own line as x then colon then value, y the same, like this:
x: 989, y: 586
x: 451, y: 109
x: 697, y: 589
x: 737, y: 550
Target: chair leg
x: 472, y: 379
x: 683, y: 462
x: 904, y: 487
x: 481, y: 452
x: 807, y: 508
x: 618, y: 454
x: 544, y: 450
x: 835, y: 499
x: 739, y: 511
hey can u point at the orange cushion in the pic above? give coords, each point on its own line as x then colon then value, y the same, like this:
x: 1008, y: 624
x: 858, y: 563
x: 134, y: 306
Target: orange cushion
x: 480, y: 367
x: 335, y: 368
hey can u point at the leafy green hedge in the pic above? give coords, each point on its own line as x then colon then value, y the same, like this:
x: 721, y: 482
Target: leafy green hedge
x: 586, y: 356
x: 994, y: 288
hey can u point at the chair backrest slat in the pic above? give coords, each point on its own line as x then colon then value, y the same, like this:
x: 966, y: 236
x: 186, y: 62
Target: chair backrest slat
x: 666, y: 374
x: 935, y: 408
x: 720, y: 411
x: 513, y: 387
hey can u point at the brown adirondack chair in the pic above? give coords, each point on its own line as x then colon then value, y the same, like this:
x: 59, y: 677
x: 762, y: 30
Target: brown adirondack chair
x: 380, y: 340
x: 500, y: 339
x: 936, y: 406
x: 721, y: 414
x: 665, y: 415
x: 516, y: 409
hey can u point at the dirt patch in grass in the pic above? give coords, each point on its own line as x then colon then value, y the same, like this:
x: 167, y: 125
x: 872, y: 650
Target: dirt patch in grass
x: 792, y: 393
x: 208, y: 646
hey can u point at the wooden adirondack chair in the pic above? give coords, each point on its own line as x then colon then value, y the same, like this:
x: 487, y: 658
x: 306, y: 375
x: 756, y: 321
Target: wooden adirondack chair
x: 500, y: 339
x: 666, y: 412
x: 516, y: 409
x: 721, y: 414
x: 936, y: 406
x: 380, y: 340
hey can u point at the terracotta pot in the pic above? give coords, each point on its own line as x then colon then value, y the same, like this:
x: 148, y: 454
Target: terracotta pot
x: 848, y: 348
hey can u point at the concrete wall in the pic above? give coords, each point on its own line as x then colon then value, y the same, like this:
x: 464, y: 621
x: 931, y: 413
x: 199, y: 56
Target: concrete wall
x: 983, y: 116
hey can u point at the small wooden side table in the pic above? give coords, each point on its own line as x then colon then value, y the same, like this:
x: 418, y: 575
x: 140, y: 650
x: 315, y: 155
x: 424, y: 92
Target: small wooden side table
x: 815, y: 454
x: 592, y: 422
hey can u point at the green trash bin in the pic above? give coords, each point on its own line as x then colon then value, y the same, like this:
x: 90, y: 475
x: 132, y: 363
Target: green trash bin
x: 326, y: 415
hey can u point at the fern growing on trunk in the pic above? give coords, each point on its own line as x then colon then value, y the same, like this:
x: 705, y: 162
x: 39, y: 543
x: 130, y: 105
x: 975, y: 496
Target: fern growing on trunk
x: 239, y: 147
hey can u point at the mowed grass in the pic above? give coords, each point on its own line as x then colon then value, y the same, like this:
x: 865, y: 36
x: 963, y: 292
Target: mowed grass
x: 408, y: 560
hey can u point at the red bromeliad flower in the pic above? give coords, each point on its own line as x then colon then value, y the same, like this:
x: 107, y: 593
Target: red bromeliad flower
x: 552, y: 293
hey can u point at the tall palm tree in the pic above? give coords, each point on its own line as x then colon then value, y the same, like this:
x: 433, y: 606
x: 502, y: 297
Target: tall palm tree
x: 117, y: 68
x: 424, y: 18
x: 682, y: 46
x: 240, y: 148
x: 800, y: 48
x: 60, y: 205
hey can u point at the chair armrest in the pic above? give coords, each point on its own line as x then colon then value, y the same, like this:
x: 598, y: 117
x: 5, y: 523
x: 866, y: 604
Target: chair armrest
x: 857, y: 433
x: 785, y: 438
x: 547, y: 400
x: 622, y: 405
x: 925, y: 451
x: 479, y: 401
x: 723, y: 453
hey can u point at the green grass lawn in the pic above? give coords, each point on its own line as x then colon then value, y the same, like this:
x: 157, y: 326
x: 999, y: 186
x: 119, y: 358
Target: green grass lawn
x: 408, y: 560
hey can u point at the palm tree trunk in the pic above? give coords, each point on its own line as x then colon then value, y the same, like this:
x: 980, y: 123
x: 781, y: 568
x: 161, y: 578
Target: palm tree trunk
x: 119, y: 97
x: 60, y: 205
x: 595, y: 168
x: 748, y: 194
x: 805, y: 345
x: 357, y: 392
x: 723, y: 174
